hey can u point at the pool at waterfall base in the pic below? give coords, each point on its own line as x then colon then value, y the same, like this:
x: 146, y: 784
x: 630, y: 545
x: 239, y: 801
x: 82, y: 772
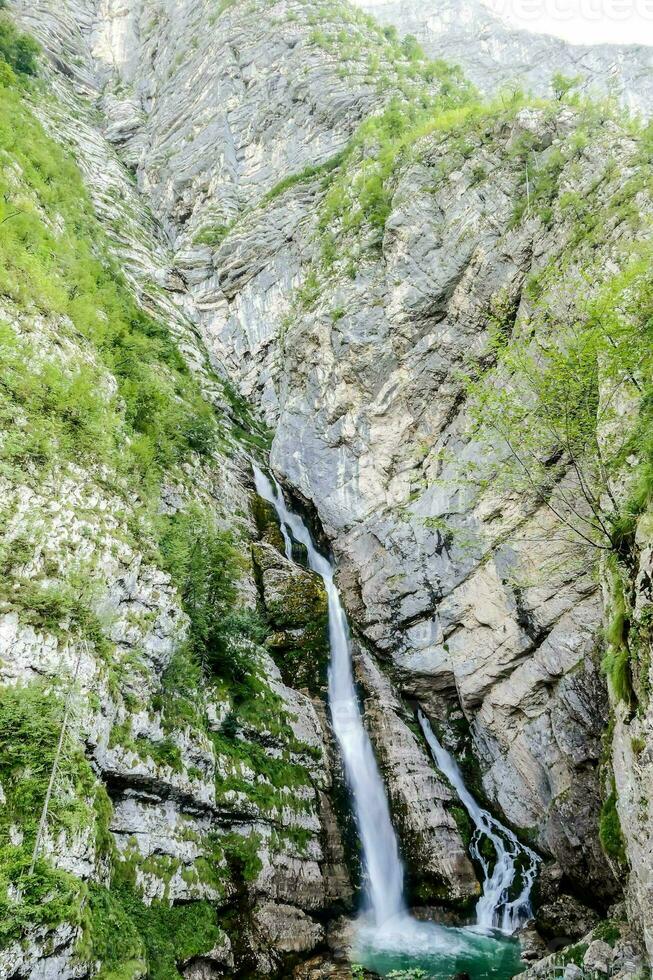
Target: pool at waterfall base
x: 439, y: 951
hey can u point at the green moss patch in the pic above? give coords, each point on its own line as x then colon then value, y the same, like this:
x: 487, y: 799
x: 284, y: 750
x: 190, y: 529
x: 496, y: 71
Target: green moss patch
x: 610, y: 833
x: 129, y: 937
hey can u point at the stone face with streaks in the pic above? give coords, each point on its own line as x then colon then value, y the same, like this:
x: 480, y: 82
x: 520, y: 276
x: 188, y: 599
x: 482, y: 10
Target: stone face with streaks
x: 495, y: 55
x: 431, y: 845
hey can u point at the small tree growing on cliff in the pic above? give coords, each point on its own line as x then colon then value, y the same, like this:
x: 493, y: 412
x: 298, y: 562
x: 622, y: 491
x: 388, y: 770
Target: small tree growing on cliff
x: 566, y: 407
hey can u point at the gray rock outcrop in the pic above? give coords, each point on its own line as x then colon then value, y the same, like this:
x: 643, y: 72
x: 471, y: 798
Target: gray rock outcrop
x: 493, y: 54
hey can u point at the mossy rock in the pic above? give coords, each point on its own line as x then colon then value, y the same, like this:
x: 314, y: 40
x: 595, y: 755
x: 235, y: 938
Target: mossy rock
x: 267, y: 523
x: 296, y: 609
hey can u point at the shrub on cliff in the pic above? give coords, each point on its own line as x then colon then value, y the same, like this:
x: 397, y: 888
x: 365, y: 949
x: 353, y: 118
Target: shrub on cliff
x: 18, y: 50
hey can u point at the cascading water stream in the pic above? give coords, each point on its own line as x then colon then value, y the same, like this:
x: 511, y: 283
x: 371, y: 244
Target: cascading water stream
x: 495, y: 909
x: 383, y: 867
x: 389, y: 937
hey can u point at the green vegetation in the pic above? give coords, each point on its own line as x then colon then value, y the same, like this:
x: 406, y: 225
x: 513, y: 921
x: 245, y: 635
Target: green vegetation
x: 616, y: 662
x: 205, y: 565
x: 308, y: 173
x: 463, y: 824
x: 127, y: 935
x: 277, y: 774
x: 61, y: 408
x: 212, y: 235
x: 360, y: 193
x: 607, y: 931
x: 557, y: 419
x: 637, y: 744
x: 548, y: 418
x: 90, y: 378
x: 163, y: 752
x: 358, y: 180
x: 297, y: 618
x: 18, y: 51
x: 385, y: 61
x: 241, y: 853
x: 30, y: 725
x: 610, y: 834
x: 58, y: 607
x: 178, y: 701
x: 572, y: 954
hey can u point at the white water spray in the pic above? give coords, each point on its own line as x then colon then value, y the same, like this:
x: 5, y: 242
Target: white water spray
x: 494, y: 910
x: 389, y: 927
x: 383, y: 868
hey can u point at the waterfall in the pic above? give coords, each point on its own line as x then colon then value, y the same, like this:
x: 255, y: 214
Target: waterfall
x: 494, y: 908
x: 389, y: 931
x: 383, y: 868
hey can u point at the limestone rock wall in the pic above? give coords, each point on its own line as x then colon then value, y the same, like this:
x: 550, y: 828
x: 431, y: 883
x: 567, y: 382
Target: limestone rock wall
x: 469, y: 593
x: 494, y: 54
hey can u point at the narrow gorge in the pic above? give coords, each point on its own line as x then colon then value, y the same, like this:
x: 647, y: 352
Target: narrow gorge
x: 326, y: 493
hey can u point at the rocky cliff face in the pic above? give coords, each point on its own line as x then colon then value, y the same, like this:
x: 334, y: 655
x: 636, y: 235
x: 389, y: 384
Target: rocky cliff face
x: 317, y: 212
x: 493, y: 54
x: 190, y: 774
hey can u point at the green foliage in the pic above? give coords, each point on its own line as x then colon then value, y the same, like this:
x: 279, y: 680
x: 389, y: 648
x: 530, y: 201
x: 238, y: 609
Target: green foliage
x: 99, y: 383
x: 222, y: 5
x: 616, y: 665
x: 242, y: 854
x: 111, y: 937
x: 127, y: 936
x: 401, y: 65
x: 62, y: 607
x: 610, y: 834
x: 69, y: 414
x: 572, y: 954
x: 616, y: 662
x: 607, y: 931
x: 562, y: 85
x: 637, y: 744
x: 308, y: 293
x: 546, y: 419
x: 543, y: 186
x: 56, y: 409
x: 163, y: 752
x: 362, y: 192
x: 181, y: 682
x: 308, y: 173
x: 18, y: 50
x: 463, y: 824
x: 30, y: 725
x: 212, y: 235
x: 276, y: 773
x: 205, y: 564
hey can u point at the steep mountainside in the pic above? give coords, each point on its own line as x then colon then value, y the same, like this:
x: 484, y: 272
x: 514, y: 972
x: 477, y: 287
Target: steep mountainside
x: 492, y: 54
x: 190, y: 772
x: 441, y: 308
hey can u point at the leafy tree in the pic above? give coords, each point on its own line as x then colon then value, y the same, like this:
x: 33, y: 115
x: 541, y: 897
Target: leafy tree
x: 561, y: 84
x: 561, y: 401
x: 206, y: 564
x: 18, y: 50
